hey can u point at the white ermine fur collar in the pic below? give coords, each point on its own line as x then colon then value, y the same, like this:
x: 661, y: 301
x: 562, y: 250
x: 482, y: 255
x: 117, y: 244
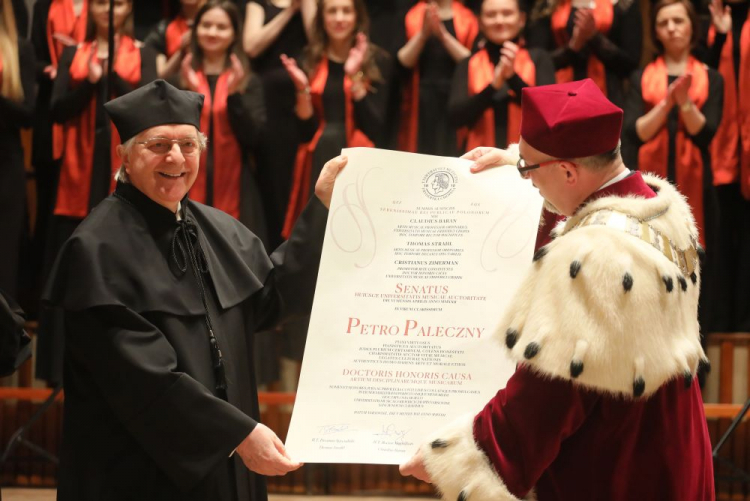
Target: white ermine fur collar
x: 606, y: 309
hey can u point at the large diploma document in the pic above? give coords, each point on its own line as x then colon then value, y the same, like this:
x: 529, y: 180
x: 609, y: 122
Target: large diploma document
x: 420, y: 258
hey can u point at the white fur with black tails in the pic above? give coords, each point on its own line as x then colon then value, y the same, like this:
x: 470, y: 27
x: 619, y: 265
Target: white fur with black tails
x: 607, y: 309
x: 459, y: 469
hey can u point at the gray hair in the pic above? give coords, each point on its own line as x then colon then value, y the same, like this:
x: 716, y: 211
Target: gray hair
x: 122, y: 176
x: 601, y: 161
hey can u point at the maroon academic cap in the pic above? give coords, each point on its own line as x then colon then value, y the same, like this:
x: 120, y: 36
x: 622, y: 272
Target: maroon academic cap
x: 570, y: 120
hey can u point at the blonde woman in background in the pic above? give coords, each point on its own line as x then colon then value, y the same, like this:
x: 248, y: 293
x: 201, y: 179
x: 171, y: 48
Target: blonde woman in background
x: 16, y: 111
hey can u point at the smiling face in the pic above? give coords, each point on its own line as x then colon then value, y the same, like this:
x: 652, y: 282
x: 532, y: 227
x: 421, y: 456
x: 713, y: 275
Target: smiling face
x: 214, y: 31
x: 501, y: 20
x: 164, y: 177
x: 339, y: 19
x: 99, y: 10
x: 673, y: 28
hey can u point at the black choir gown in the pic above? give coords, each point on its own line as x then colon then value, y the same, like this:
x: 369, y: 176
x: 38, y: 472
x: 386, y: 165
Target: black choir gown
x: 143, y: 418
x: 464, y: 110
x: 247, y: 118
x: 281, y: 135
x: 14, y: 115
x: 733, y: 311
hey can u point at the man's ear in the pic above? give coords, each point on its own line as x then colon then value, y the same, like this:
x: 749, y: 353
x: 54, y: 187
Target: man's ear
x: 122, y: 154
x: 571, y: 172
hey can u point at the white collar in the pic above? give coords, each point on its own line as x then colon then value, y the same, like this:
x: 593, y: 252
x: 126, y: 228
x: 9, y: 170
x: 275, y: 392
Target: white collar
x: 622, y: 175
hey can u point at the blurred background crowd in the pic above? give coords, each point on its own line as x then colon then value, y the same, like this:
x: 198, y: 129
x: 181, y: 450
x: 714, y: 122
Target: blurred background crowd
x: 288, y: 83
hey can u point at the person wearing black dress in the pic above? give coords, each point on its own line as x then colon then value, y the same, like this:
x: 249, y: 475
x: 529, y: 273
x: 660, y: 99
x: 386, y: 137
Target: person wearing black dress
x: 233, y: 115
x: 17, y: 68
x: 88, y: 150
x: 486, y: 90
x: 729, y: 53
x: 439, y: 35
x: 598, y: 39
x: 273, y: 28
x: 342, y: 94
x: 672, y: 112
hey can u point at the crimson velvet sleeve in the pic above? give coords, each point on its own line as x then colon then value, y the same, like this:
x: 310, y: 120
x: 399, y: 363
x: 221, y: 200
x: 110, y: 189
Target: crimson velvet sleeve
x: 522, y: 428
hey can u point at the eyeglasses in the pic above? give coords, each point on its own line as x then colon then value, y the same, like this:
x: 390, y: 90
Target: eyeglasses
x: 162, y: 145
x: 523, y: 168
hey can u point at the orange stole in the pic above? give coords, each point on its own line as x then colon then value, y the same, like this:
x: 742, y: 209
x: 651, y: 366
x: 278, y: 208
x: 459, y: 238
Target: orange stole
x: 79, y: 133
x: 175, y: 29
x: 303, y: 165
x: 467, y: 29
x: 653, y: 155
x: 727, y: 166
x: 62, y: 20
x: 481, y: 73
x: 724, y: 158
x: 603, y: 16
x: 227, y: 166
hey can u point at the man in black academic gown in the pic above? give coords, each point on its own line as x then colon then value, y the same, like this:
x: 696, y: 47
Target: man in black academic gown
x: 162, y: 296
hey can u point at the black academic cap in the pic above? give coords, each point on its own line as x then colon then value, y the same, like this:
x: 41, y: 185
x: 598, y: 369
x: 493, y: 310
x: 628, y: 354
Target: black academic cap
x: 157, y: 103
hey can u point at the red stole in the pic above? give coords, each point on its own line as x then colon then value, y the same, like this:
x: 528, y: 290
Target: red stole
x: 603, y: 16
x: 175, y: 29
x: 62, y: 20
x: 78, y: 133
x: 727, y: 166
x: 227, y: 166
x: 467, y: 29
x: 481, y: 73
x: 653, y: 155
x: 303, y: 165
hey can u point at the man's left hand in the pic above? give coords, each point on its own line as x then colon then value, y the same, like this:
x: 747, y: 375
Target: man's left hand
x: 415, y: 468
x: 327, y: 178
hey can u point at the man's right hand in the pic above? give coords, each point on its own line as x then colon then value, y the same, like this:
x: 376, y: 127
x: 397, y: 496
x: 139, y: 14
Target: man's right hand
x: 485, y: 157
x: 263, y: 453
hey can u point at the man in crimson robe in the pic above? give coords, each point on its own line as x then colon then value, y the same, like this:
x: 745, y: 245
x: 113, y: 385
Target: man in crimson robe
x: 604, y: 403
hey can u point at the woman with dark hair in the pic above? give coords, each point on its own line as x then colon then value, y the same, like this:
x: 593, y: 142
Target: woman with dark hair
x: 88, y: 145
x: 16, y: 111
x: 171, y: 38
x: 273, y: 28
x: 233, y: 114
x: 597, y: 39
x: 729, y: 53
x: 439, y: 34
x: 341, y: 93
x: 486, y: 91
x: 671, y: 115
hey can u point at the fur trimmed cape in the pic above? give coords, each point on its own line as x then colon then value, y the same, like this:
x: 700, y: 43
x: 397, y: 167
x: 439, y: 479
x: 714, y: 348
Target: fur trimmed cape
x: 601, y: 310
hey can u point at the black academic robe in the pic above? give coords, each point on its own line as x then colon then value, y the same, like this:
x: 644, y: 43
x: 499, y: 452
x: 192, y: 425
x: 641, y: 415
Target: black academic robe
x: 143, y: 418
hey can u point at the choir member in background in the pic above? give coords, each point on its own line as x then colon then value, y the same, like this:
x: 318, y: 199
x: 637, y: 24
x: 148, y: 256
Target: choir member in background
x: 598, y: 39
x: 729, y: 53
x: 171, y: 38
x: 440, y: 34
x: 89, y: 158
x: 273, y: 28
x: 233, y: 114
x: 486, y: 92
x: 672, y: 113
x: 342, y: 91
x: 17, y: 97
